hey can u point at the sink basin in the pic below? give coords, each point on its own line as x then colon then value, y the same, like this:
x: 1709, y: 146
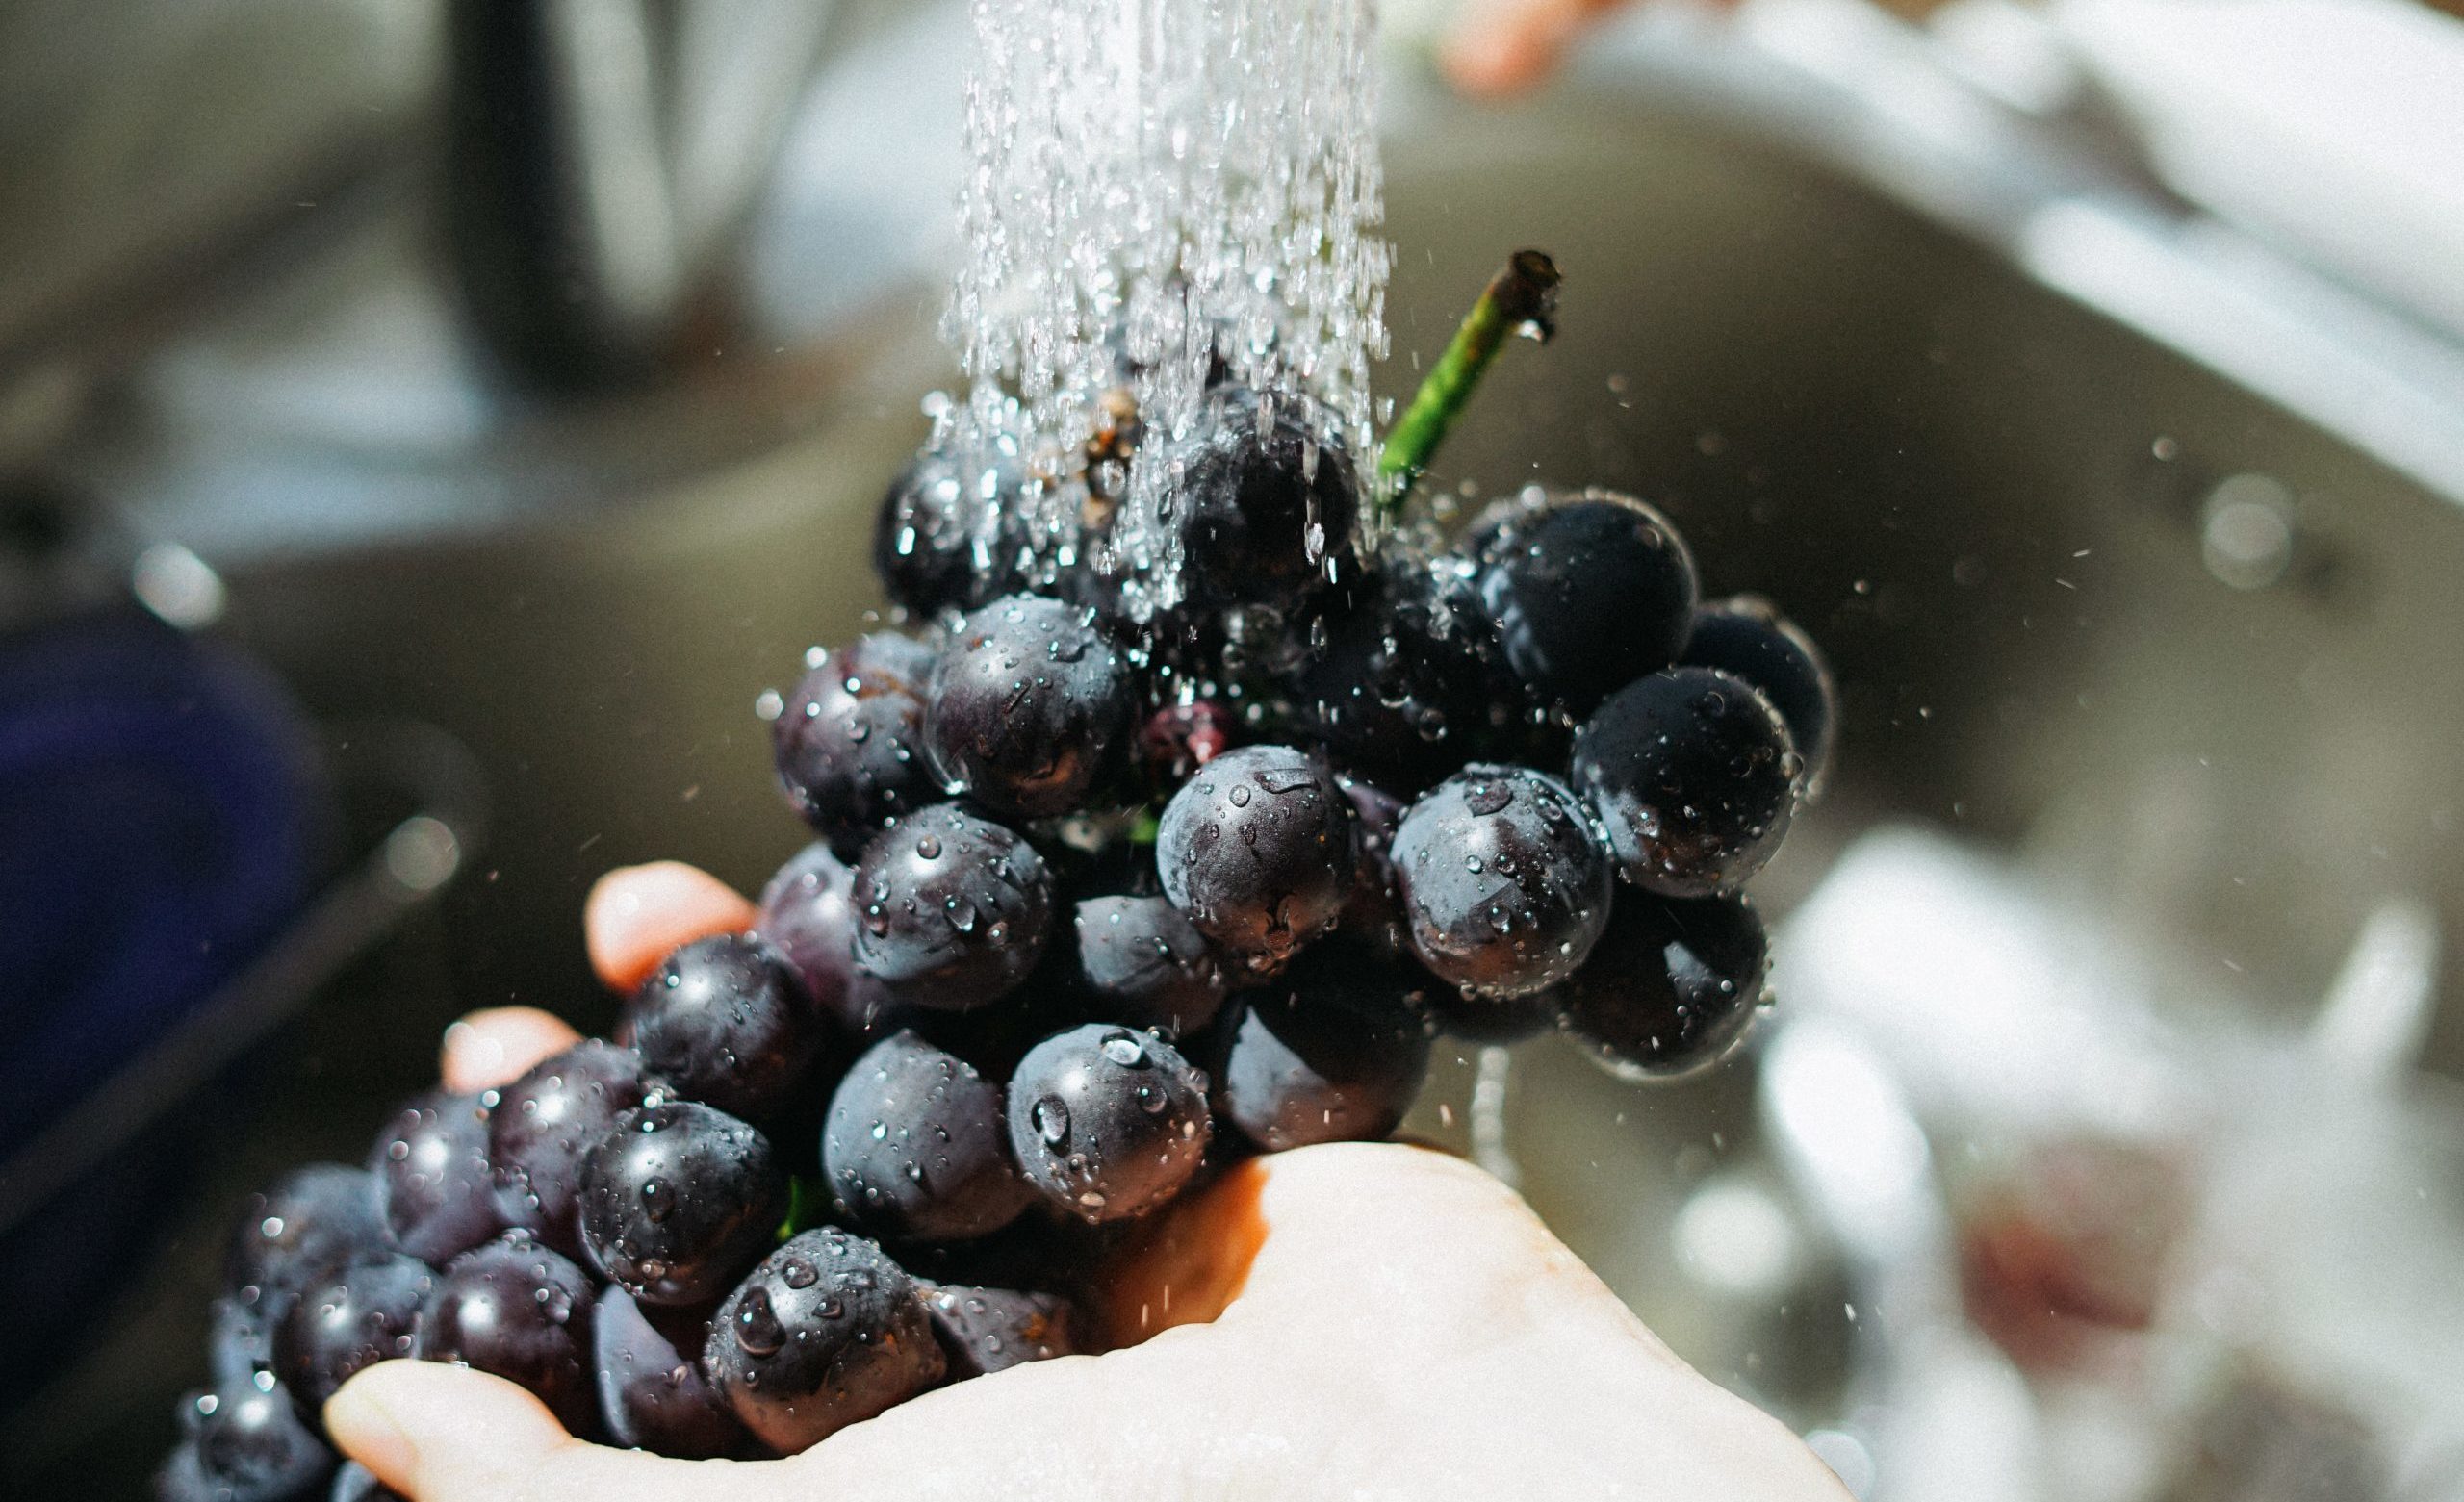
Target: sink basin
x: 2085, y: 596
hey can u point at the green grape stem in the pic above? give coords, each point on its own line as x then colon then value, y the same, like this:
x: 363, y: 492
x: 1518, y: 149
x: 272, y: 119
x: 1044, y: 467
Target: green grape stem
x: 805, y: 1205
x: 1520, y: 299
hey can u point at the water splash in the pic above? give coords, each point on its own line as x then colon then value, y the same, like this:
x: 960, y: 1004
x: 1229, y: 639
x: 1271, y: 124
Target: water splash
x: 1158, y: 191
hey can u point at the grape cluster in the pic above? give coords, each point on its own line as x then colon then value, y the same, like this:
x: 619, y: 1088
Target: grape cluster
x: 1094, y: 907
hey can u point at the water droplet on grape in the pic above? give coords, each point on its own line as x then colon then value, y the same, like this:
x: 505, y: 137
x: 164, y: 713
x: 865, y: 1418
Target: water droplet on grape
x: 757, y: 1331
x: 1052, y: 1120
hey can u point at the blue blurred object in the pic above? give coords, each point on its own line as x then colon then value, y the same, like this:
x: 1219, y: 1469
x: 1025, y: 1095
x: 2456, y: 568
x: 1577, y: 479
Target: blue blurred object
x: 162, y: 813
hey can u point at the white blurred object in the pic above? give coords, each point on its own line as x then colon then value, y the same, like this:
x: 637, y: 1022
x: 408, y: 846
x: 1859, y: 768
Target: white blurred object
x: 1945, y: 1009
x: 1982, y: 998
x: 1953, y: 1422
x: 2335, y: 126
x: 2378, y: 1013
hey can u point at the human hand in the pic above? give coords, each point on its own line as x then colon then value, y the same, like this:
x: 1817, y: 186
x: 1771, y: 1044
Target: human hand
x: 1500, y: 47
x: 1353, y: 1320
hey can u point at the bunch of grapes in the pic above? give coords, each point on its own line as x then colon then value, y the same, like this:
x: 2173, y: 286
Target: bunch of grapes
x: 1097, y: 905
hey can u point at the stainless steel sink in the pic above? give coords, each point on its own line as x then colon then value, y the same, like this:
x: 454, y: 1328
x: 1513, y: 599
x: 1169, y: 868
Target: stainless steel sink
x: 2086, y: 595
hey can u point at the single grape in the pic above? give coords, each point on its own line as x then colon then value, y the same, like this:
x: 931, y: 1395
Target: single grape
x: 1589, y: 591
x: 953, y: 910
x: 725, y: 1021
x: 849, y: 743
x: 1504, y: 887
x: 1141, y: 963
x: 677, y: 1199
x: 826, y: 1332
x: 1693, y: 779
x: 356, y: 1317
x: 990, y: 1329
x: 915, y: 1148
x: 239, y: 1340
x: 1178, y: 739
x: 243, y: 1441
x: 1030, y: 707
x: 1333, y: 1050
x: 1258, y: 851
x: 925, y: 545
x: 808, y: 916
x: 1264, y: 505
x: 1408, y: 682
x: 1671, y: 987
x: 1373, y: 914
x: 544, y: 1122
x: 653, y: 1395
x: 516, y: 1310
x: 1747, y: 636
x: 1108, y: 1122
x: 355, y: 1483
x: 431, y: 1166
x: 311, y: 1219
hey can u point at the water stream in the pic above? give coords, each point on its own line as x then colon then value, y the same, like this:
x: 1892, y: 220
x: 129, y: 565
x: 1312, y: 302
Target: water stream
x: 1157, y: 189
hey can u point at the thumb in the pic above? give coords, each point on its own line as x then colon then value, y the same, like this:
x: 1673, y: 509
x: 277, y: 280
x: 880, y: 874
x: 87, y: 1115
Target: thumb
x: 448, y: 1433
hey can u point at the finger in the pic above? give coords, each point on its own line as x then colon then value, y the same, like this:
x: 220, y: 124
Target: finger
x: 446, y: 1434
x: 1278, y: 1233
x: 495, y: 1047
x: 1187, y: 1264
x: 1389, y: 1221
x: 636, y: 914
x: 1501, y: 47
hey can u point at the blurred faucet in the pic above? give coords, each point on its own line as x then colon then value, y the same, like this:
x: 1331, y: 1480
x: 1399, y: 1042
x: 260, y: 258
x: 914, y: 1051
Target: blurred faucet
x: 598, y: 153
x: 593, y: 161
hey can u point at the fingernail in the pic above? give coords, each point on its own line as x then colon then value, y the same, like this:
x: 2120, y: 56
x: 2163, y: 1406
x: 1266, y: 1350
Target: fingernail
x: 362, y: 1427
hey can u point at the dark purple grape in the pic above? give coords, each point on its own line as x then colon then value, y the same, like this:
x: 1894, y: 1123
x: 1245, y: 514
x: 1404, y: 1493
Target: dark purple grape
x: 653, y: 1395
x: 1671, y: 987
x: 1692, y: 777
x: 1589, y: 592
x: 355, y: 1483
x: 1373, y: 914
x: 243, y: 1441
x: 1030, y: 707
x: 1408, y: 682
x: 915, y: 1148
x: 1258, y: 851
x: 1748, y: 637
x: 826, y: 1332
x: 1141, y: 963
x: 1178, y: 739
x: 1108, y: 1122
x: 545, y: 1121
x: 808, y: 916
x: 1504, y: 887
x: 438, y: 1189
x: 519, y: 1311
x: 358, y: 1316
x: 311, y: 1219
x: 725, y: 1021
x: 925, y: 546
x: 239, y: 1340
x: 1264, y: 503
x: 677, y: 1200
x: 849, y: 743
x: 1333, y: 1050
x: 952, y: 911
x: 991, y: 1329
